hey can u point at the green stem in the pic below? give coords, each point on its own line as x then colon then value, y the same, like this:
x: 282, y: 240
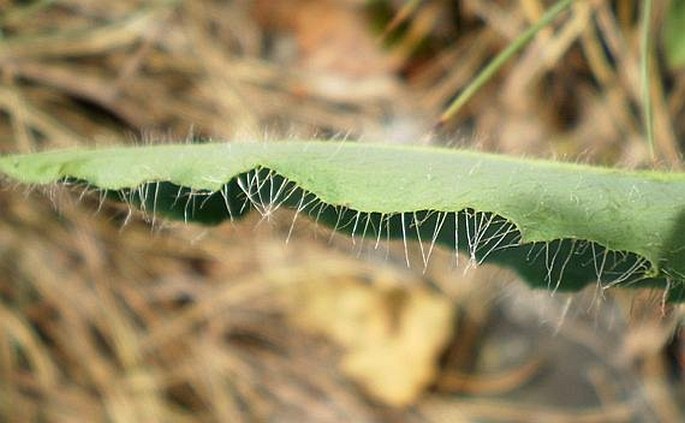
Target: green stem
x: 645, y: 47
x: 486, y: 74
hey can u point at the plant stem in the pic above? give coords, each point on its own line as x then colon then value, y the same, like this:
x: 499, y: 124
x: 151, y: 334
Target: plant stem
x: 486, y: 74
x: 645, y: 47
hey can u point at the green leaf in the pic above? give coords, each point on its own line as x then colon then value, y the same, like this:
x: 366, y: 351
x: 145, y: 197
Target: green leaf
x: 560, y: 226
x: 674, y: 34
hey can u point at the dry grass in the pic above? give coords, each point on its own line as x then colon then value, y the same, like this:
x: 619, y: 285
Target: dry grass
x: 177, y: 323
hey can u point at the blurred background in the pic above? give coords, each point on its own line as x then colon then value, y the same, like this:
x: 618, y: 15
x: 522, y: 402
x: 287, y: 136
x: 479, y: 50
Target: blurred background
x: 104, y: 317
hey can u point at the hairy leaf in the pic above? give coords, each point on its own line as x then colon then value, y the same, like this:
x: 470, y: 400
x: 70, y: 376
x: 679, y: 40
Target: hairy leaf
x: 558, y: 225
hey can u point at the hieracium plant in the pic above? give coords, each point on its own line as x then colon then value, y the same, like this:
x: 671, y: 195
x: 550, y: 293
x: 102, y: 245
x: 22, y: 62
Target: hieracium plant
x: 559, y: 226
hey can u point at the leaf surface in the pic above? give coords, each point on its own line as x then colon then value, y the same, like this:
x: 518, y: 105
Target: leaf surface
x: 558, y: 225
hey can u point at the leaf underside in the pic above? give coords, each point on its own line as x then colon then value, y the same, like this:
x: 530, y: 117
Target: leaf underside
x: 559, y: 226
